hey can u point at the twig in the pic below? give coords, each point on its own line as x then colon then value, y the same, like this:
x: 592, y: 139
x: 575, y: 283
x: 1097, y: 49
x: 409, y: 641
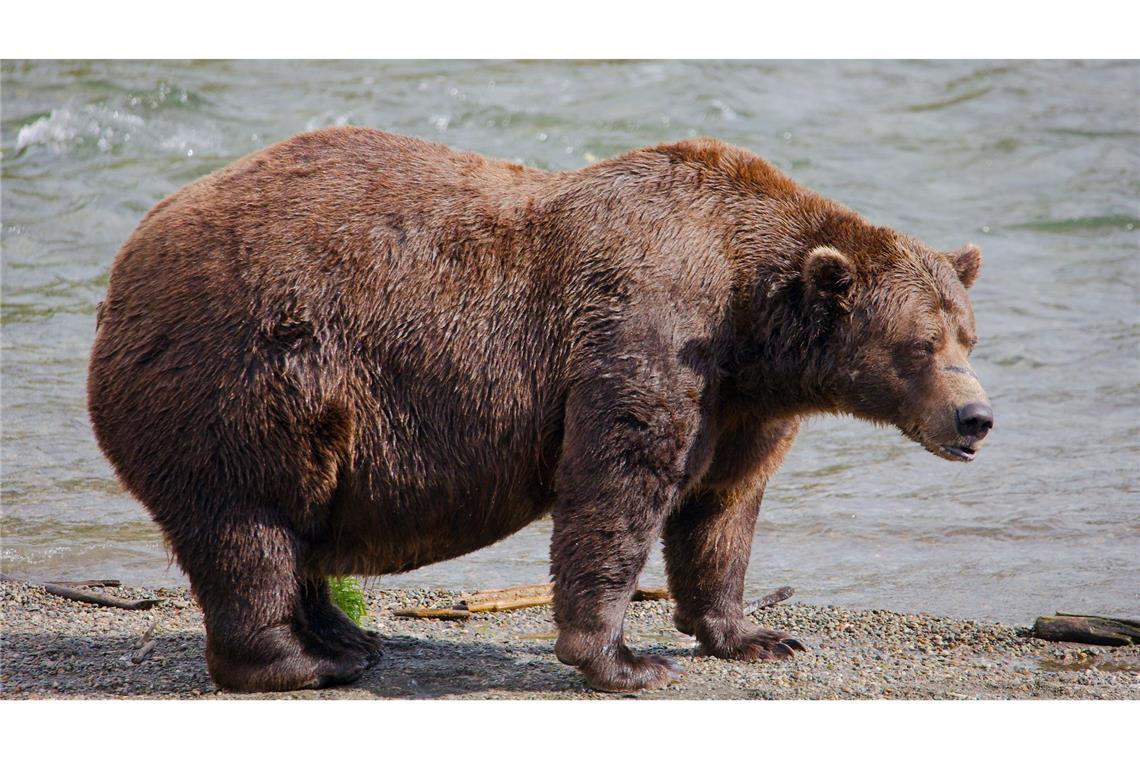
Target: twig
x: 504, y: 594
x: 145, y: 645
x: 534, y: 595
x: 69, y: 584
x: 777, y: 596
x: 101, y: 599
x: 505, y: 600
x: 144, y: 652
x: 147, y: 636
x: 505, y: 605
x: 651, y: 594
x: 432, y: 613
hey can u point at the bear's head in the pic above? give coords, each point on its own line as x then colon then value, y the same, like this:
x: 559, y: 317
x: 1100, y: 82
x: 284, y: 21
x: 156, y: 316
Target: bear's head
x: 901, y: 329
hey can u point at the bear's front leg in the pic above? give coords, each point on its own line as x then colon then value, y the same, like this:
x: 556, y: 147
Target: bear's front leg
x: 707, y: 545
x: 619, y: 475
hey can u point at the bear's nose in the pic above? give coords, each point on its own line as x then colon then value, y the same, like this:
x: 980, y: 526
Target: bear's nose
x: 974, y: 419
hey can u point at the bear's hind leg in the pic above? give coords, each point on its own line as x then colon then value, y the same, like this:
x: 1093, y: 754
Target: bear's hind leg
x: 327, y: 623
x: 247, y: 579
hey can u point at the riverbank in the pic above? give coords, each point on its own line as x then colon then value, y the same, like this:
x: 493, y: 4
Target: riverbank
x: 54, y: 648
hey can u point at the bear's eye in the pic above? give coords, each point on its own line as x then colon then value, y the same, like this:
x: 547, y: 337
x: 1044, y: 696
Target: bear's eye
x: 923, y: 349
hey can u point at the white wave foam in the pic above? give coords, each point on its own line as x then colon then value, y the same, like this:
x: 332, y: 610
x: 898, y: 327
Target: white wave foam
x: 328, y: 119
x: 64, y: 128
x: 67, y: 129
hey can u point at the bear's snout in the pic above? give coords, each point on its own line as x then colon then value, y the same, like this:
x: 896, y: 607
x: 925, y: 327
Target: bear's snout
x: 974, y: 420
x: 971, y: 421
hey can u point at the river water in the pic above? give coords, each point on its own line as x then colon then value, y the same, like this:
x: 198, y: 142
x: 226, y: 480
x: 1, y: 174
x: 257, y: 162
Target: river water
x: 1038, y: 162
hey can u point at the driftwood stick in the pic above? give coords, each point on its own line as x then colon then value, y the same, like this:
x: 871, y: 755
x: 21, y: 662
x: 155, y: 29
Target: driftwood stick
x: 651, y: 594
x: 505, y: 594
x: 504, y: 605
x: 1125, y: 621
x: 1087, y: 629
x: 534, y: 595
x: 505, y: 600
x: 110, y: 583
x: 147, y: 636
x: 102, y: 600
x: 145, y: 645
x: 70, y: 584
x: 431, y: 613
x: 144, y: 652
x: 777, y: 596
x: 518, y: 603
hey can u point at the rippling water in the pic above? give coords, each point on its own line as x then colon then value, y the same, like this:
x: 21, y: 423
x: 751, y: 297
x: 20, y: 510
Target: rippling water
x: 1039, y: 163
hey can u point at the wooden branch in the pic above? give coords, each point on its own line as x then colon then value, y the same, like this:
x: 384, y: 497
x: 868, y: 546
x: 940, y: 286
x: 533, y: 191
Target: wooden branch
x: 143, y: 652
x: 70, y: 584
x: 536, y: 595
x: 147, y: 636
x: 505, y: 594
x: 505, y: 600
x: 102, y: 600
x: 1087, y: 629
x: 651, y: 594
x: 505, y: 605
x: 431, y: 613
x: 1126, y: 621
x: 777, y: 596
x: 145, y: 645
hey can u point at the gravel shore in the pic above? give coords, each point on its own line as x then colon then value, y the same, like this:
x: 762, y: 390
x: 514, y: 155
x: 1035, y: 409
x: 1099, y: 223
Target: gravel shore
x: 54, y: 648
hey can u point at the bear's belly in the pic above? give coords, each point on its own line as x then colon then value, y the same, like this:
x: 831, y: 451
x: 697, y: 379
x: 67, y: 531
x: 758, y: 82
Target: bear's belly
x: 413, y: 498
x: 371, y: 537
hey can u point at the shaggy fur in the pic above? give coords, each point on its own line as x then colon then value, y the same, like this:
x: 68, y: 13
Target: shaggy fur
x: 360, y: 353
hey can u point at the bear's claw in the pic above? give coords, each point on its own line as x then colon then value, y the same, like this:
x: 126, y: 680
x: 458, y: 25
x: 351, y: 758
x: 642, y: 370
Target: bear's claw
x: 750, y: 643
x: 632, y: 672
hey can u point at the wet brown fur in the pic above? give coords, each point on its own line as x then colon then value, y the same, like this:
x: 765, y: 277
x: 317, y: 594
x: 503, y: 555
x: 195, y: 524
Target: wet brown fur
x: 355, y: 352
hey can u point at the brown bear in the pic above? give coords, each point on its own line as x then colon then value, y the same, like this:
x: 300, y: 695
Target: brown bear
x: 359, y: 353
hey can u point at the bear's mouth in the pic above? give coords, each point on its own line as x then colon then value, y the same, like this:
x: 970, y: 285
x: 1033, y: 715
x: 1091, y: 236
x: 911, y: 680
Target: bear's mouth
x: 963, y: 451
x: 960, y: 453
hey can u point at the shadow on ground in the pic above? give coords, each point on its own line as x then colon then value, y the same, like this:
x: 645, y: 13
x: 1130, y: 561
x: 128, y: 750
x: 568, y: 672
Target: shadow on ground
x: 62, y: 666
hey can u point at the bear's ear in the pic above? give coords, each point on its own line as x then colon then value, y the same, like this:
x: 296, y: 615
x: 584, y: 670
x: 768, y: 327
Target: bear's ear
x: 966, y: 261
x: 829, y: 275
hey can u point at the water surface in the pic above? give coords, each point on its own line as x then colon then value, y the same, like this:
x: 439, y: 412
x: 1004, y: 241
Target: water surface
x: 1038, y: 162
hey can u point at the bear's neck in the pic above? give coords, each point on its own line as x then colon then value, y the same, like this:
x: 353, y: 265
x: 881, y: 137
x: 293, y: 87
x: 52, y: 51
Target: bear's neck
x: 779, y: 363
